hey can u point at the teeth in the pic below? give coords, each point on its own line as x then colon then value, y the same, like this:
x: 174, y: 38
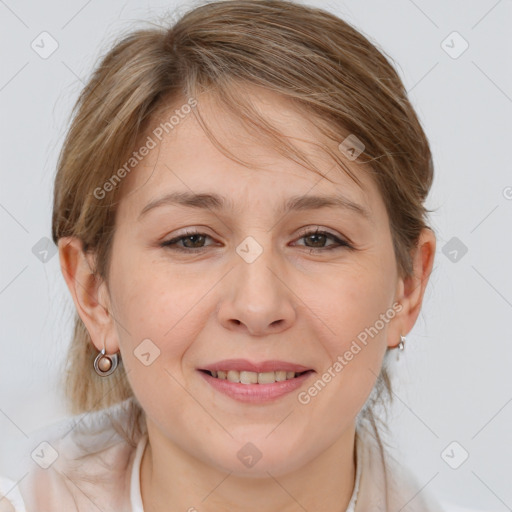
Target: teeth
x: 281, y: 375
x: 250, y: 377
x: 233, y: 376
x: 246, y: 377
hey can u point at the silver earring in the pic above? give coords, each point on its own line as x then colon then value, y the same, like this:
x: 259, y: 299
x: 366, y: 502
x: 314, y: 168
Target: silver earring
x: 105, y: 364
x: 401, y: 344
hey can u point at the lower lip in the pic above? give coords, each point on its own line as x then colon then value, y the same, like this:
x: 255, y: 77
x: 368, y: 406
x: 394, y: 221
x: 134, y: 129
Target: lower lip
x: 256, y: 393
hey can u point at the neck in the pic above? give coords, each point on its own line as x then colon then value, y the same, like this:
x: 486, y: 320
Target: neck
x: 169, y: 475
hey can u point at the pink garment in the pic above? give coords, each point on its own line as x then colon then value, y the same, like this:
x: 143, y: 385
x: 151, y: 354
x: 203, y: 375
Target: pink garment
x: 97, y: 468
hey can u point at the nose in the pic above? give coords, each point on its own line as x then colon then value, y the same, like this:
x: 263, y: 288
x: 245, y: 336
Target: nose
x: 256, y: 299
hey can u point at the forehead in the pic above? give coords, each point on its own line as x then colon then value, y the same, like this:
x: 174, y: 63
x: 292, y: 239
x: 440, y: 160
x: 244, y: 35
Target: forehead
x: 186, y: 159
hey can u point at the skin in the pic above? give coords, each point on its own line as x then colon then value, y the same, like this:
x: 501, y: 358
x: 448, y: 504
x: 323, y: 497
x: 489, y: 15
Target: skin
x: 289, y: 304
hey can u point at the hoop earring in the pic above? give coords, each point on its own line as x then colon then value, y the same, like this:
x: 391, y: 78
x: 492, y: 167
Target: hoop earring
x: 105, y: 364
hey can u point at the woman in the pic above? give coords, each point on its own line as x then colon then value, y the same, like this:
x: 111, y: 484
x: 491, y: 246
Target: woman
x: 239, y: 211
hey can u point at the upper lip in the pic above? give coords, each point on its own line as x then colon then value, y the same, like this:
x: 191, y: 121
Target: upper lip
x: 258, y: 367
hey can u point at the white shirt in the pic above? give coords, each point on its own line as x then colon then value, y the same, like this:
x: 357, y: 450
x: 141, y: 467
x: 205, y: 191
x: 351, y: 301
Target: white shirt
x: 97, y: 467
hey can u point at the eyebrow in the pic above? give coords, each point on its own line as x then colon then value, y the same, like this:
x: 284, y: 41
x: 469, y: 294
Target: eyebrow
x: 217, y: 202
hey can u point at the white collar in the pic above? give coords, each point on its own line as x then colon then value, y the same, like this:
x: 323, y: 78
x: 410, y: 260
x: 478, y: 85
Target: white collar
x: 135, y: 494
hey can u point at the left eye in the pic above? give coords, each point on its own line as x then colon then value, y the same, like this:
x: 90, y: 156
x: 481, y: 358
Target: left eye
x: 320, y: 237
x: 196, y: 239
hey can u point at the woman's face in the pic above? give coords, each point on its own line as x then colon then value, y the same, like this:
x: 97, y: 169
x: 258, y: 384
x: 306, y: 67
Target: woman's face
x: 256, y: 284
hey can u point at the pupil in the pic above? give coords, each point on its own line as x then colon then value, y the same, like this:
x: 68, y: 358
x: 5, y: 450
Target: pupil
x: 190, y: 238
x: 317, y: 236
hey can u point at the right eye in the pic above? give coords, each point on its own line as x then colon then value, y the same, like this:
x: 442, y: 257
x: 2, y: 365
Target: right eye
x: 192, y: 237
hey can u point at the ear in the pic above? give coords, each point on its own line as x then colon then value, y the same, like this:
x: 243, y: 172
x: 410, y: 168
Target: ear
x: 89, y: 292
x: 411, y: 289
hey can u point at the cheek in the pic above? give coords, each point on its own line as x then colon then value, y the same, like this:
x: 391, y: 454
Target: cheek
x: 154, y: 301
x: 159, y: 313
x: 355, y: 300
x: 353, y: 349
x: 357, y: 310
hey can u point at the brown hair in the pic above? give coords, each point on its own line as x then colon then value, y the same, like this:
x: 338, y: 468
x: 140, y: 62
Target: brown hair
x: 326, y: 68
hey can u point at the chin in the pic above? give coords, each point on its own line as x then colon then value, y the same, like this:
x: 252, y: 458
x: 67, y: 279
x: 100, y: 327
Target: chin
x: 257, y: 459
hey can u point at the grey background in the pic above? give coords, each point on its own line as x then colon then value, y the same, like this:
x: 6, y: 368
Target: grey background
x: 453, y: 382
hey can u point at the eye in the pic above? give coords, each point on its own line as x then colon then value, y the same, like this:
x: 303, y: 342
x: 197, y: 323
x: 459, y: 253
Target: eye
x: 319, y: 237
x: 192, y: 242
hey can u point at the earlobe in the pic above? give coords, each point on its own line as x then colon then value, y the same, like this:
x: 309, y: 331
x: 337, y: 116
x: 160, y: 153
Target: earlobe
x: 87, y: 291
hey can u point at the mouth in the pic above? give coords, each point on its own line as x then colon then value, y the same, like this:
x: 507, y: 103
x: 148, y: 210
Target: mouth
x: 255, y: 383
x: 249, y: 377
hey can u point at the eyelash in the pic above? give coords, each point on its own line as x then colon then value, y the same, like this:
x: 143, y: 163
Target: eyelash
x: 340, y: 242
